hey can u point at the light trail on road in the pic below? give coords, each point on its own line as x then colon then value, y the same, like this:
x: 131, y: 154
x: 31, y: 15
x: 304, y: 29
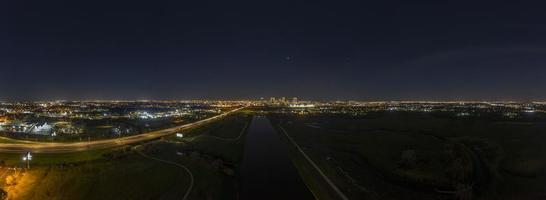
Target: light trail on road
x: 45, y: 147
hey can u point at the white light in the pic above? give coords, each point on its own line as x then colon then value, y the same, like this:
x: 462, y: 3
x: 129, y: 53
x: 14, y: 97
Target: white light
x: 179, y: 135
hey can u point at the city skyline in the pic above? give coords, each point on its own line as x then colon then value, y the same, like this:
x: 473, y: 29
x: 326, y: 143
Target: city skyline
x: 269, y: 100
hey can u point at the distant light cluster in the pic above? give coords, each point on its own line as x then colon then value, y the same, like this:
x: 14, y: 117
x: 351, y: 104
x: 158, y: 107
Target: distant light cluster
x: 75, y: 118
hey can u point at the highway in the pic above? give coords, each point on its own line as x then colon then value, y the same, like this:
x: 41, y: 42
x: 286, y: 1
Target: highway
x: 49, y: 147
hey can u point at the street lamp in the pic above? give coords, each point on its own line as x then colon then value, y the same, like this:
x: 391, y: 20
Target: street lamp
x: 28, y: 158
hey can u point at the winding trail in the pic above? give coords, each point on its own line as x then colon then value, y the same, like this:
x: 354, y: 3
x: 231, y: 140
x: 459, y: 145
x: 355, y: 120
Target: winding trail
x: 188, y: 191
x: 192, y: 179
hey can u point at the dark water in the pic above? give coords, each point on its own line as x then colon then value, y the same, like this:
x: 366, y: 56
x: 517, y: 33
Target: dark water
x: 267, y: 171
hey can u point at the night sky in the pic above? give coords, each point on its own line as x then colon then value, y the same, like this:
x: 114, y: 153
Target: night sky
x: 386, y: 50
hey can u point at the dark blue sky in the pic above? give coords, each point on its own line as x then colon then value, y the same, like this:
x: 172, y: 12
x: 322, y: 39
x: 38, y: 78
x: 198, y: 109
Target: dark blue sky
x: 225, y: 49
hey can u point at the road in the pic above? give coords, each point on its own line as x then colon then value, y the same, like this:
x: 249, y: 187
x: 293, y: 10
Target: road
x: 322, y: 174
x: 45, y: 147
x: 190, y: 187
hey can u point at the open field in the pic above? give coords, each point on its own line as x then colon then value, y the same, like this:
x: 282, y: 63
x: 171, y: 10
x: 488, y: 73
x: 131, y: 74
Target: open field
x: 123, y: 173
x: 224, y: 138
x: 394, y: 155
x: 132, y: 177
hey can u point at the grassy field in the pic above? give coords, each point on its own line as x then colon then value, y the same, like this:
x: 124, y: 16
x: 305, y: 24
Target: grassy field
x: 125, y: 174
x: 422, y: 155
x: 132, y: 177
x: 52, y: 159
x: 219, y: 139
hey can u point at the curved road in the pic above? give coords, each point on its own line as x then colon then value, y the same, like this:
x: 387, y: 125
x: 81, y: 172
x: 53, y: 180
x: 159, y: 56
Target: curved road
x: 45, y: 147
x: 190, y: 187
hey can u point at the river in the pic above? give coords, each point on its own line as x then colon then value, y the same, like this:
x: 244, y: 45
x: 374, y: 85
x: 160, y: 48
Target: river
x: 267, y: 171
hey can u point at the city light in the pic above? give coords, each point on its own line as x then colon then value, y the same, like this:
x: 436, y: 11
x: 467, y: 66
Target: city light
x: 28, y: 158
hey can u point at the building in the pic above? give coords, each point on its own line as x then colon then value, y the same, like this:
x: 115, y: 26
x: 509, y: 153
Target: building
x: 67, y: 128
x: 3, y: 120
x: 42, y: 129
